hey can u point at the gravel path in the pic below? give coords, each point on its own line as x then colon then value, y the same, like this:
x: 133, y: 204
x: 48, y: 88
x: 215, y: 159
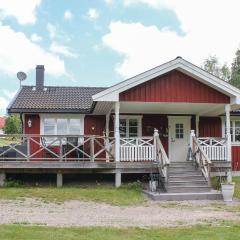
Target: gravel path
x: 79, y: 213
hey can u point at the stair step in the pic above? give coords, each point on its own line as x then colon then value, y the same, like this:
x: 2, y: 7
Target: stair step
x: 194, y: 181
x: 185, y: 178
x: 174, y: 172
x: 213, y: 195
x: 187, y: 189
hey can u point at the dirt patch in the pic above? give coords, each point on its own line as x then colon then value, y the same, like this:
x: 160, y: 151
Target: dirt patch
x: 80, y: 213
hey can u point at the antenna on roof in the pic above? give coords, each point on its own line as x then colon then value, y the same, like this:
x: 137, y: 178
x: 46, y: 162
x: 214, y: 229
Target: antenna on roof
x: 21, y: 77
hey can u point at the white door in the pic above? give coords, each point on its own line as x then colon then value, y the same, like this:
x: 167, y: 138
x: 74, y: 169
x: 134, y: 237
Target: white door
x: 179, y: 129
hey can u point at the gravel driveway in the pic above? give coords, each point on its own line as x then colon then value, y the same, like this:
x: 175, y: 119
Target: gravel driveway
x: 80, y: 213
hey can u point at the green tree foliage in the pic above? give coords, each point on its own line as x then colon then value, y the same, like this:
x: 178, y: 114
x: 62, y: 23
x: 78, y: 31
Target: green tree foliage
x: 235, y: 76
x: 13, y: 125
x: 213, y: 66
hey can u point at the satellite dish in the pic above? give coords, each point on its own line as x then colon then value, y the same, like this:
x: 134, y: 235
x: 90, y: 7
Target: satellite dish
x: 21, y: 76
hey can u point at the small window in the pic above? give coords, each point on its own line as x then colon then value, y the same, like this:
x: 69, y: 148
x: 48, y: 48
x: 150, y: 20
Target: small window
x: 61, y: 126
x: 179, y: 130
x: 74, y: 126
x: 129, y: 126
x: 49, y: 126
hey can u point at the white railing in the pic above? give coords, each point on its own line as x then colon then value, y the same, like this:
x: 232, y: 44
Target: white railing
x: 137, y: 149
x: 199, y: 157
x: 161, y: 156
x: 215, y: 148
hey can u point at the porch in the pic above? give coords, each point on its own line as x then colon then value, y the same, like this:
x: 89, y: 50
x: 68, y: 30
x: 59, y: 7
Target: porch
x: 97, y: 154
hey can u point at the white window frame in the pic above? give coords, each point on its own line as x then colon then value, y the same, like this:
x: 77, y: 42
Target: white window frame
x: 233, y: 119
x: 62, y: 116
x: 135, y: 117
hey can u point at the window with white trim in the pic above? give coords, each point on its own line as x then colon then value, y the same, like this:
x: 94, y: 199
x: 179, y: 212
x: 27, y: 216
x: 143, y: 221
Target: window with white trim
x: 130, y: 126
x: 62, y: 126
x: 234, y: 130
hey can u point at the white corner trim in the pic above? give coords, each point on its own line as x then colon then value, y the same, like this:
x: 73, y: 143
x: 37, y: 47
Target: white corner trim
x: 112, y: 93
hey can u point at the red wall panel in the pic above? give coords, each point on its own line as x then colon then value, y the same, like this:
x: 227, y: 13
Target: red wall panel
x: 34, y: 129
x: 94, y: 125
x: 174, y: 86
x: 160, y: 122
x: 236, y: 158
x: 210, y: 127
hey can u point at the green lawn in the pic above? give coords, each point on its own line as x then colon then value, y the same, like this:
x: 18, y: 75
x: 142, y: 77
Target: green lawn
x: 237, y: 187
x: 126, y: 195
x: 20, y: 232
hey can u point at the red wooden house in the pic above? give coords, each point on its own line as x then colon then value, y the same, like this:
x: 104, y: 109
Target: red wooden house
x: 116, y: 125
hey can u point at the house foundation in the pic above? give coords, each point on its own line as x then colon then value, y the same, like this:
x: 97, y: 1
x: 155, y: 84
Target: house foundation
x: 118, y: 178
x: 2, y: 178
x: 59, y: 179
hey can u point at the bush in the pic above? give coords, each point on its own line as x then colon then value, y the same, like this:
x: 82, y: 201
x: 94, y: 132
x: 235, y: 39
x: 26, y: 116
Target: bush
x: 13, y: 125
x: 12, y: 183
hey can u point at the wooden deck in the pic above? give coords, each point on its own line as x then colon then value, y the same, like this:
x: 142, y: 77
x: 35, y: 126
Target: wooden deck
x: 80, y: 167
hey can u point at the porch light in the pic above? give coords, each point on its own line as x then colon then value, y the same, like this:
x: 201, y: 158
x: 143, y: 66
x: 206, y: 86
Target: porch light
x: 29, y: 123
x: 93, y: 128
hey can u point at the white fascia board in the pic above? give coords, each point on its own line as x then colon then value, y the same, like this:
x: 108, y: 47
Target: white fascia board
x: 209, y: 78
x: 112, y: 93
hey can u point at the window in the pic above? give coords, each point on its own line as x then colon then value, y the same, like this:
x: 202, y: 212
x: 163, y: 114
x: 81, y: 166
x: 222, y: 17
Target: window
x: 234, y: 130
x: 130, y: 126
x: 179, y: 131
x: 62, y: 126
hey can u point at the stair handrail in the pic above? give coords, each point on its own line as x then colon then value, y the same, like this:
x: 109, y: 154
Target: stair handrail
x: 200, y: 157
x: 161, y: 156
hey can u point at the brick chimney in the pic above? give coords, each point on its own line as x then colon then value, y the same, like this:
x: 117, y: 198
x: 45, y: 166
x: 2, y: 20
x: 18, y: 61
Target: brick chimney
x: 39, y: 77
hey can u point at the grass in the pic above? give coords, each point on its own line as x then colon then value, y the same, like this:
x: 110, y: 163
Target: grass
x: 26, y: 232
x: 237, y: 187
x: 126, y: 195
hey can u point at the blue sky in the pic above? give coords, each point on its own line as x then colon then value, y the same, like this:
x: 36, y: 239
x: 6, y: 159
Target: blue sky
x: 101, y: 42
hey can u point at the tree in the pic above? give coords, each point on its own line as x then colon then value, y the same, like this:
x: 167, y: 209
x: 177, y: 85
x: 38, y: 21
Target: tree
x: 235, y: 76
x: 213, y: 66
x: 13, y: 125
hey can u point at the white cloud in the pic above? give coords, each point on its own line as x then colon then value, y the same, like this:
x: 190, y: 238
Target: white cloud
x: 52, y: 30
x: 36, y: 38
x: 6, y: 97
x: 19, y: 53
x: 108, y: 1
x: 68, y: 15
x: 23, y: 10
x: 93, y: 14
x: 61, y: 49
x: 210, y: 27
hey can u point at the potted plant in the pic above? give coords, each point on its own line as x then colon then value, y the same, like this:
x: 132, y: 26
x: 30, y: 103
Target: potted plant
x: 227, y: 190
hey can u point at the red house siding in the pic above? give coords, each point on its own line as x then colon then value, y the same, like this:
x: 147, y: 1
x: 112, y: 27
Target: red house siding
x: 94, y: 125
x: 210, y: 127
x: 174, y: 86
x: 236, y: 158
x: 34, y: 129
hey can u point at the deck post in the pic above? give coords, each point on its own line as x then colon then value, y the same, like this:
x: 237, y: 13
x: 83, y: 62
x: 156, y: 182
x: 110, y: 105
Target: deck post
x: 117, y: 133
x: 59, y: 179
x: 2, y: 178
x: 118, y: 178
x: 107, y: 135
x: 192, y: 134
x: 228, y: 136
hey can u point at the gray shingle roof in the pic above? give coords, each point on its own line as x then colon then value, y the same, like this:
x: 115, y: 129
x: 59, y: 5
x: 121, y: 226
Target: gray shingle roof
x: 54, y: 99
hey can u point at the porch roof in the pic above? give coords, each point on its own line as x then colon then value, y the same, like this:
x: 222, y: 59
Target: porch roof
x: 112, y: 94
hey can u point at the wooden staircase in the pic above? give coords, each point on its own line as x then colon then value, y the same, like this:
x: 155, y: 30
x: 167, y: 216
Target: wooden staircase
x: 183, y: 177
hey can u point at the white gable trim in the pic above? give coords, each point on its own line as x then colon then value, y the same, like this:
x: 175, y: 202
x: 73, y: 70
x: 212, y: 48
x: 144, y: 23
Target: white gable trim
x: 112, y: 93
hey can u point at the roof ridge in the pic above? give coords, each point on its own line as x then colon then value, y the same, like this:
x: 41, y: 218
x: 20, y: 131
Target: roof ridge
x: 31, y: 86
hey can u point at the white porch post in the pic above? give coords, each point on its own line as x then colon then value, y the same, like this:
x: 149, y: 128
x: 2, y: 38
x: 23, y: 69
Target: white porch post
x: 192, y: 134
x: 116, y: 132
x: 228, y: 135
x: 107, y: 134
